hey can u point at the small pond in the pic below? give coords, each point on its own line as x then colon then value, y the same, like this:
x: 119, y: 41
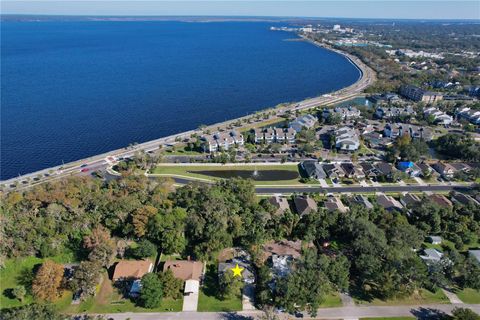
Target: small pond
x: 362, y: 101
x: 261, y: 175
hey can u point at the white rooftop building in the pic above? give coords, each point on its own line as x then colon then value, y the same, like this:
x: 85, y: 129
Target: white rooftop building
x: 471, y: 115
x: 345, y: 113
x: 440, y: 117
x: 346, y: 139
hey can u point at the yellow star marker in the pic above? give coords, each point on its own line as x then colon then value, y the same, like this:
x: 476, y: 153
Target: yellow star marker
x: 237, y: 271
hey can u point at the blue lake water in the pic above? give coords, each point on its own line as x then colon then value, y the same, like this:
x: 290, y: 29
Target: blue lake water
x: 72, y: 89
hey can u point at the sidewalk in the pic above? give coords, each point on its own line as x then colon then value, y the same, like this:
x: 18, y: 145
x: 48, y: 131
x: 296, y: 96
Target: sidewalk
x: 452, y: 296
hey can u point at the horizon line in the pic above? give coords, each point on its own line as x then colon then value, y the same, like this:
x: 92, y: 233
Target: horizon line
x: 237, y: 17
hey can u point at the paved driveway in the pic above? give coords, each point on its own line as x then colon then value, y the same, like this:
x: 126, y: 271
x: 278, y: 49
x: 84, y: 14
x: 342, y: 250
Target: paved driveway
x: 190, y: 299
x: 248, y: 297
x: 190, y: 302
x: 323, y: 183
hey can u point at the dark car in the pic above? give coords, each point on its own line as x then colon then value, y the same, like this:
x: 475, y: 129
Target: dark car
x: 84, y: 165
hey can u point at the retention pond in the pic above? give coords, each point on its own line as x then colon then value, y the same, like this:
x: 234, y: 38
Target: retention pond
x: 262, y: 175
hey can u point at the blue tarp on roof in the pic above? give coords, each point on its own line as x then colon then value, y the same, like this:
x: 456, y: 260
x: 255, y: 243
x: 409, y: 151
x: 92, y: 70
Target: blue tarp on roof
x: 404, y: 165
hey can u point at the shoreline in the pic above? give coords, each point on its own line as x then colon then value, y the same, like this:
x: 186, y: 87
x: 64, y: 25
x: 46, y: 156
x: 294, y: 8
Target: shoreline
x: 367, y: 76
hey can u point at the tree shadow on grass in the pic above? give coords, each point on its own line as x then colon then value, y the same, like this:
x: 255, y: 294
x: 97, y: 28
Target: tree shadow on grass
x: 357, y: 292
x: 210, y: 282
x: 8, y: 293
x: 25, y: 277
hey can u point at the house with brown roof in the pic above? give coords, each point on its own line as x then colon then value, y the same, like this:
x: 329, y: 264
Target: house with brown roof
x: 334, y: 203
x: 388, y: 202
x: 440, y: 200
x: 410, y: 200
x: 190, y: 272
x: 132, y: 269
x: 426, y: 169
x: 280, y: 203
x: 445, y: 169
x: 304, y: 205
x: 282, y: 254
x: 282, y: 248
x: 184, y: 269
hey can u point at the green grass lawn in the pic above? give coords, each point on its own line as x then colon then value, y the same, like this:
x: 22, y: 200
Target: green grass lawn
x: 468, y: 295
x: 189, y: 171
x: 181, y: 152
x: 331, y: 301
x: 125, y: 305
x: 20, y: 272
x: 109, y: 300
x: 422, y: 297
x: 410, y: 181
x: 208, y: 301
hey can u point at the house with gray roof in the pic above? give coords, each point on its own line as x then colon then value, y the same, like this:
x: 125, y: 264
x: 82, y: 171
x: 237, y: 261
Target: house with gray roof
x: 333, y: 170
x: 363, y: 200
x: 313, y: 169
x: 475, y: 254
x: 307, y: 121
x: 243, y: 259
x: 434, y: 239
x: 465, y: 199
x: 384, y: 169
x: 431, y: 256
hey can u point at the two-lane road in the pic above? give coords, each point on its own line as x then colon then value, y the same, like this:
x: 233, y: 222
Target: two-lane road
x: 433, y: 311
x: 346, y: 189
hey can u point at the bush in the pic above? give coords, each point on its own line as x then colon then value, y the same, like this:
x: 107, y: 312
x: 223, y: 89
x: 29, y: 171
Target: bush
x: 464, y: 314
x: 144, y: 249
x: 151, y: 293
x: 172, y: 287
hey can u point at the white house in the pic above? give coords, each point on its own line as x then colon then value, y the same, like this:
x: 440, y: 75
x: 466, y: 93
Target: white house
x: 345, y: 113
x: 471, y: 115
x: 393, y: 112
x: 222, y: 140
x: 346, y: 139
x: 439, y: 117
